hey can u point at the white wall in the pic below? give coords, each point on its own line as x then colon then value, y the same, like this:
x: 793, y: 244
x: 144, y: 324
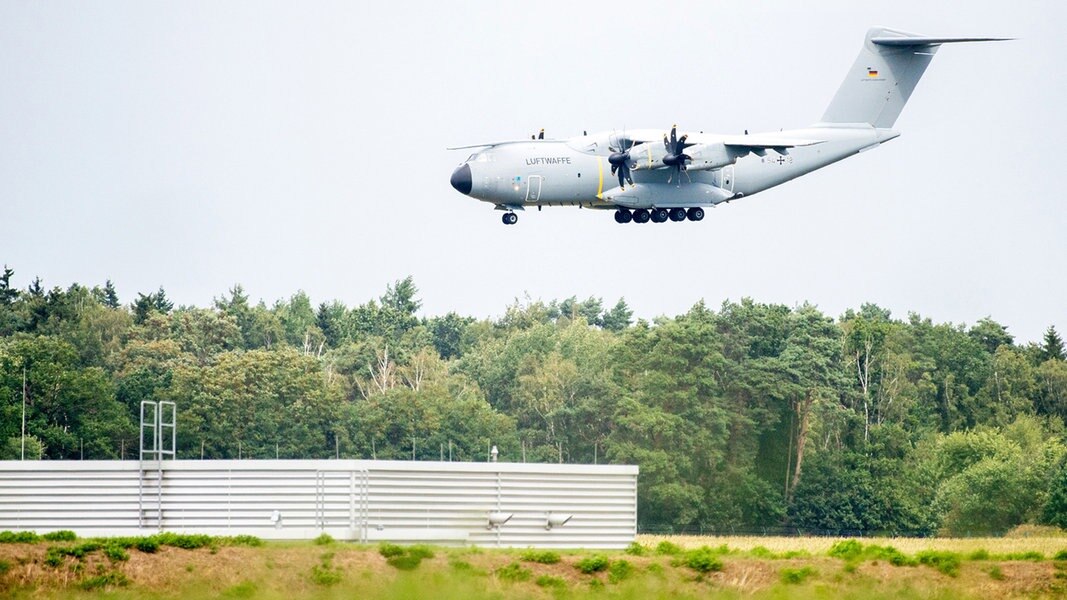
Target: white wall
x: 401, y: 501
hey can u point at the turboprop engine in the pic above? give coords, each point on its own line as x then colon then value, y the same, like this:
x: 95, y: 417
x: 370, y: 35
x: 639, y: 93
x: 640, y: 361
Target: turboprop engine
x: 711, y: 156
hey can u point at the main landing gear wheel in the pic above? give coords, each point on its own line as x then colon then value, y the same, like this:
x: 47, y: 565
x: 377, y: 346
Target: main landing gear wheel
x: 659, y: 215
x: 695, y: 214
x: 641, y: 216
x: 623, y: 216
x: 677, y: 214
x: 510, y: 218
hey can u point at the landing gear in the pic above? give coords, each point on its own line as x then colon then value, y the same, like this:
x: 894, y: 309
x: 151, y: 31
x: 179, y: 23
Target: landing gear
x: 659, y: 215
x: 694, y: 214
x: 677, y: 214
x: 623, y: 216
x: 641, y: 216
x: 510, y: 218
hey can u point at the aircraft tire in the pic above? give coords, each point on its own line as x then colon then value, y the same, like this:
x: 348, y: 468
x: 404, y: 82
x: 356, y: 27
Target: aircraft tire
x: 695, y: 214
x: 623, y: 216
x: 510, y: 218
x: 677, y: 214
x: 659, y: 215
x: 641, y: 216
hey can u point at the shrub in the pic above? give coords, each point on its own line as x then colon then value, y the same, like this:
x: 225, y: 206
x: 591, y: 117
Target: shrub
x: 116, y: 553
x: 668, y: 548
x: 421, y: 551
x: 63, y: 535
x: 390, y: 550
x: 19, y: 537
x: 551, y: 581
x: 104, y: 580
x: 889, y: 553
x: 996, y: 573
x: 619, y: 570
x: 4, y: 567
x: 795, y: 554
x: 761, y: 552
x: 1032, y: 555
x: 53, y: 557
x: 702, y: 560
x: 980, y: 554
x: 404, y: 562
x: 323, y: 539
x: 185, y: 541
x: 846, y: 549
x: 1061, y: 555
x: 147, y: 545
x: 245, y: 540
x: 793, y: 576
x: 636, y: 549
x: 545, y: 557
x: 945, y: 562
x: 461, y: 566
x: 325, y: 575
x: 514, y: 572
x: 592, y: 564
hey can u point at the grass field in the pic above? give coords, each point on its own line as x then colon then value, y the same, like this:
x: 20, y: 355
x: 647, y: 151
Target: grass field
x: 683, y: 567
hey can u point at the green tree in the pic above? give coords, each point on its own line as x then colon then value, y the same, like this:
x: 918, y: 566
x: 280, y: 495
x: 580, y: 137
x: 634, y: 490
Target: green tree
x: 619, y: 317
x: 1052, y: 347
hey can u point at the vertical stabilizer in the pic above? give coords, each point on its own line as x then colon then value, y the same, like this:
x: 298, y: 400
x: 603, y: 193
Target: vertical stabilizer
x: 884, y: 76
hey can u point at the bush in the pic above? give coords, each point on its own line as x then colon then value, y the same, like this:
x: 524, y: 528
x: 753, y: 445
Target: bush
x: 980, y: 554
x: 761, y: 552
x: 636, y: 549
x: 668, y: 548
x: 592, y: 564
x: 619, y: 570
x: 404, y: 562
x: 244, y: 540
x: 1032, y: 555
x: 116, y: 553
x: 53, y: 557
x: 390, y: 550
x: 551, y: 581
x: 514, y: 572
x: 794, y: 576
x: 703, y: 560
x: 888, y: 553
x: 104, y: 580
x: 63, y: 535
x: 846, y: 549
x: 323, y: 539
x: 421, y: 551
x: 4, y: 567
x: 147, y: 545
x: 185, y: 541
x: 544, y: 557
x: 19, y: 537
x: 325, y: 575
x: 1061, y: 555
x: 945, y: 562
x: 996, y: 573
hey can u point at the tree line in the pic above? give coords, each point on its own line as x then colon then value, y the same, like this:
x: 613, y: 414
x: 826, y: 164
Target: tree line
x: 743, y: 417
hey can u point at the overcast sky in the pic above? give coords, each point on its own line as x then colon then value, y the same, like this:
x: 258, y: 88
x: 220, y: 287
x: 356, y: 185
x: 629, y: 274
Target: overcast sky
x: 301, y: 145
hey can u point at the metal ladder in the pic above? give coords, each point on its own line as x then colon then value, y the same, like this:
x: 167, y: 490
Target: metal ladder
x: 159, y: 426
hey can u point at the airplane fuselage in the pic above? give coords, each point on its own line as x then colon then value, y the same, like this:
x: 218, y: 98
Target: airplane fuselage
x: 576, y: 172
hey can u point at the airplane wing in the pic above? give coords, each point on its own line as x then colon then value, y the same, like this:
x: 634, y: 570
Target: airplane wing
x: 753, y: 142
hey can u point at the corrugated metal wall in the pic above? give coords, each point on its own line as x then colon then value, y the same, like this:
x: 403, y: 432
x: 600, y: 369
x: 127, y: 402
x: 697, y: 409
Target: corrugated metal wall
x: 401, y: 501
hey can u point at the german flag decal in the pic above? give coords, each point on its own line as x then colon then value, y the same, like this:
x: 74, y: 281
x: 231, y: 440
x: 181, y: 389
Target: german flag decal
x: 871, y: 72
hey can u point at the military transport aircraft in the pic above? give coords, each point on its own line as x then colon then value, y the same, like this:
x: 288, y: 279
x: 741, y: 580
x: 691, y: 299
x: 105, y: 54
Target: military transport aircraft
x: 665, y: 176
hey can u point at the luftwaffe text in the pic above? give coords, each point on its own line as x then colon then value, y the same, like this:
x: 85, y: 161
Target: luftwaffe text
x: 549, y: 160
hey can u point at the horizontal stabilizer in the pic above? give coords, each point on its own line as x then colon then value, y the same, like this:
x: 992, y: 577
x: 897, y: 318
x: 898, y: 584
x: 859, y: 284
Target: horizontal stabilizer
x: 931, y: 41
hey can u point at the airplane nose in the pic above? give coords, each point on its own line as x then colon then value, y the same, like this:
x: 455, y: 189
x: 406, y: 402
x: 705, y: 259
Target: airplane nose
x: 461, y: 179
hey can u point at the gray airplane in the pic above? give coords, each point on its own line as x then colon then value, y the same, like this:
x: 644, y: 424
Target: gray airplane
x: 665, y: 176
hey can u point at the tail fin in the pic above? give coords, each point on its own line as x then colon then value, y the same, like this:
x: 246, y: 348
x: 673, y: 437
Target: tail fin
x: 884, y: 75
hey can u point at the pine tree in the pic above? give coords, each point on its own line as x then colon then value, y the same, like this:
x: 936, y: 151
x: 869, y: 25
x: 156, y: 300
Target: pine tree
x: 1053, y: 346
x: 111, y: 297
x: 8, y: 294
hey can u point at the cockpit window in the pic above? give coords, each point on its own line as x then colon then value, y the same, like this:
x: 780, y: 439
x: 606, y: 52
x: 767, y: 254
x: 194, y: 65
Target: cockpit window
x: 479, y: 157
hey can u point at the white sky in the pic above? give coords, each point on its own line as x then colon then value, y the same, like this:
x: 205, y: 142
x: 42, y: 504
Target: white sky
x: 301, y: 145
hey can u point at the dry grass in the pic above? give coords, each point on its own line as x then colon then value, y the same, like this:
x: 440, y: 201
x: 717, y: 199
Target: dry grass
x: 283, y: 571
x: 820, y: 545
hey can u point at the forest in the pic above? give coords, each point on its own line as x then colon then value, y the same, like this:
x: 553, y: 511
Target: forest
x: 748, y: 417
